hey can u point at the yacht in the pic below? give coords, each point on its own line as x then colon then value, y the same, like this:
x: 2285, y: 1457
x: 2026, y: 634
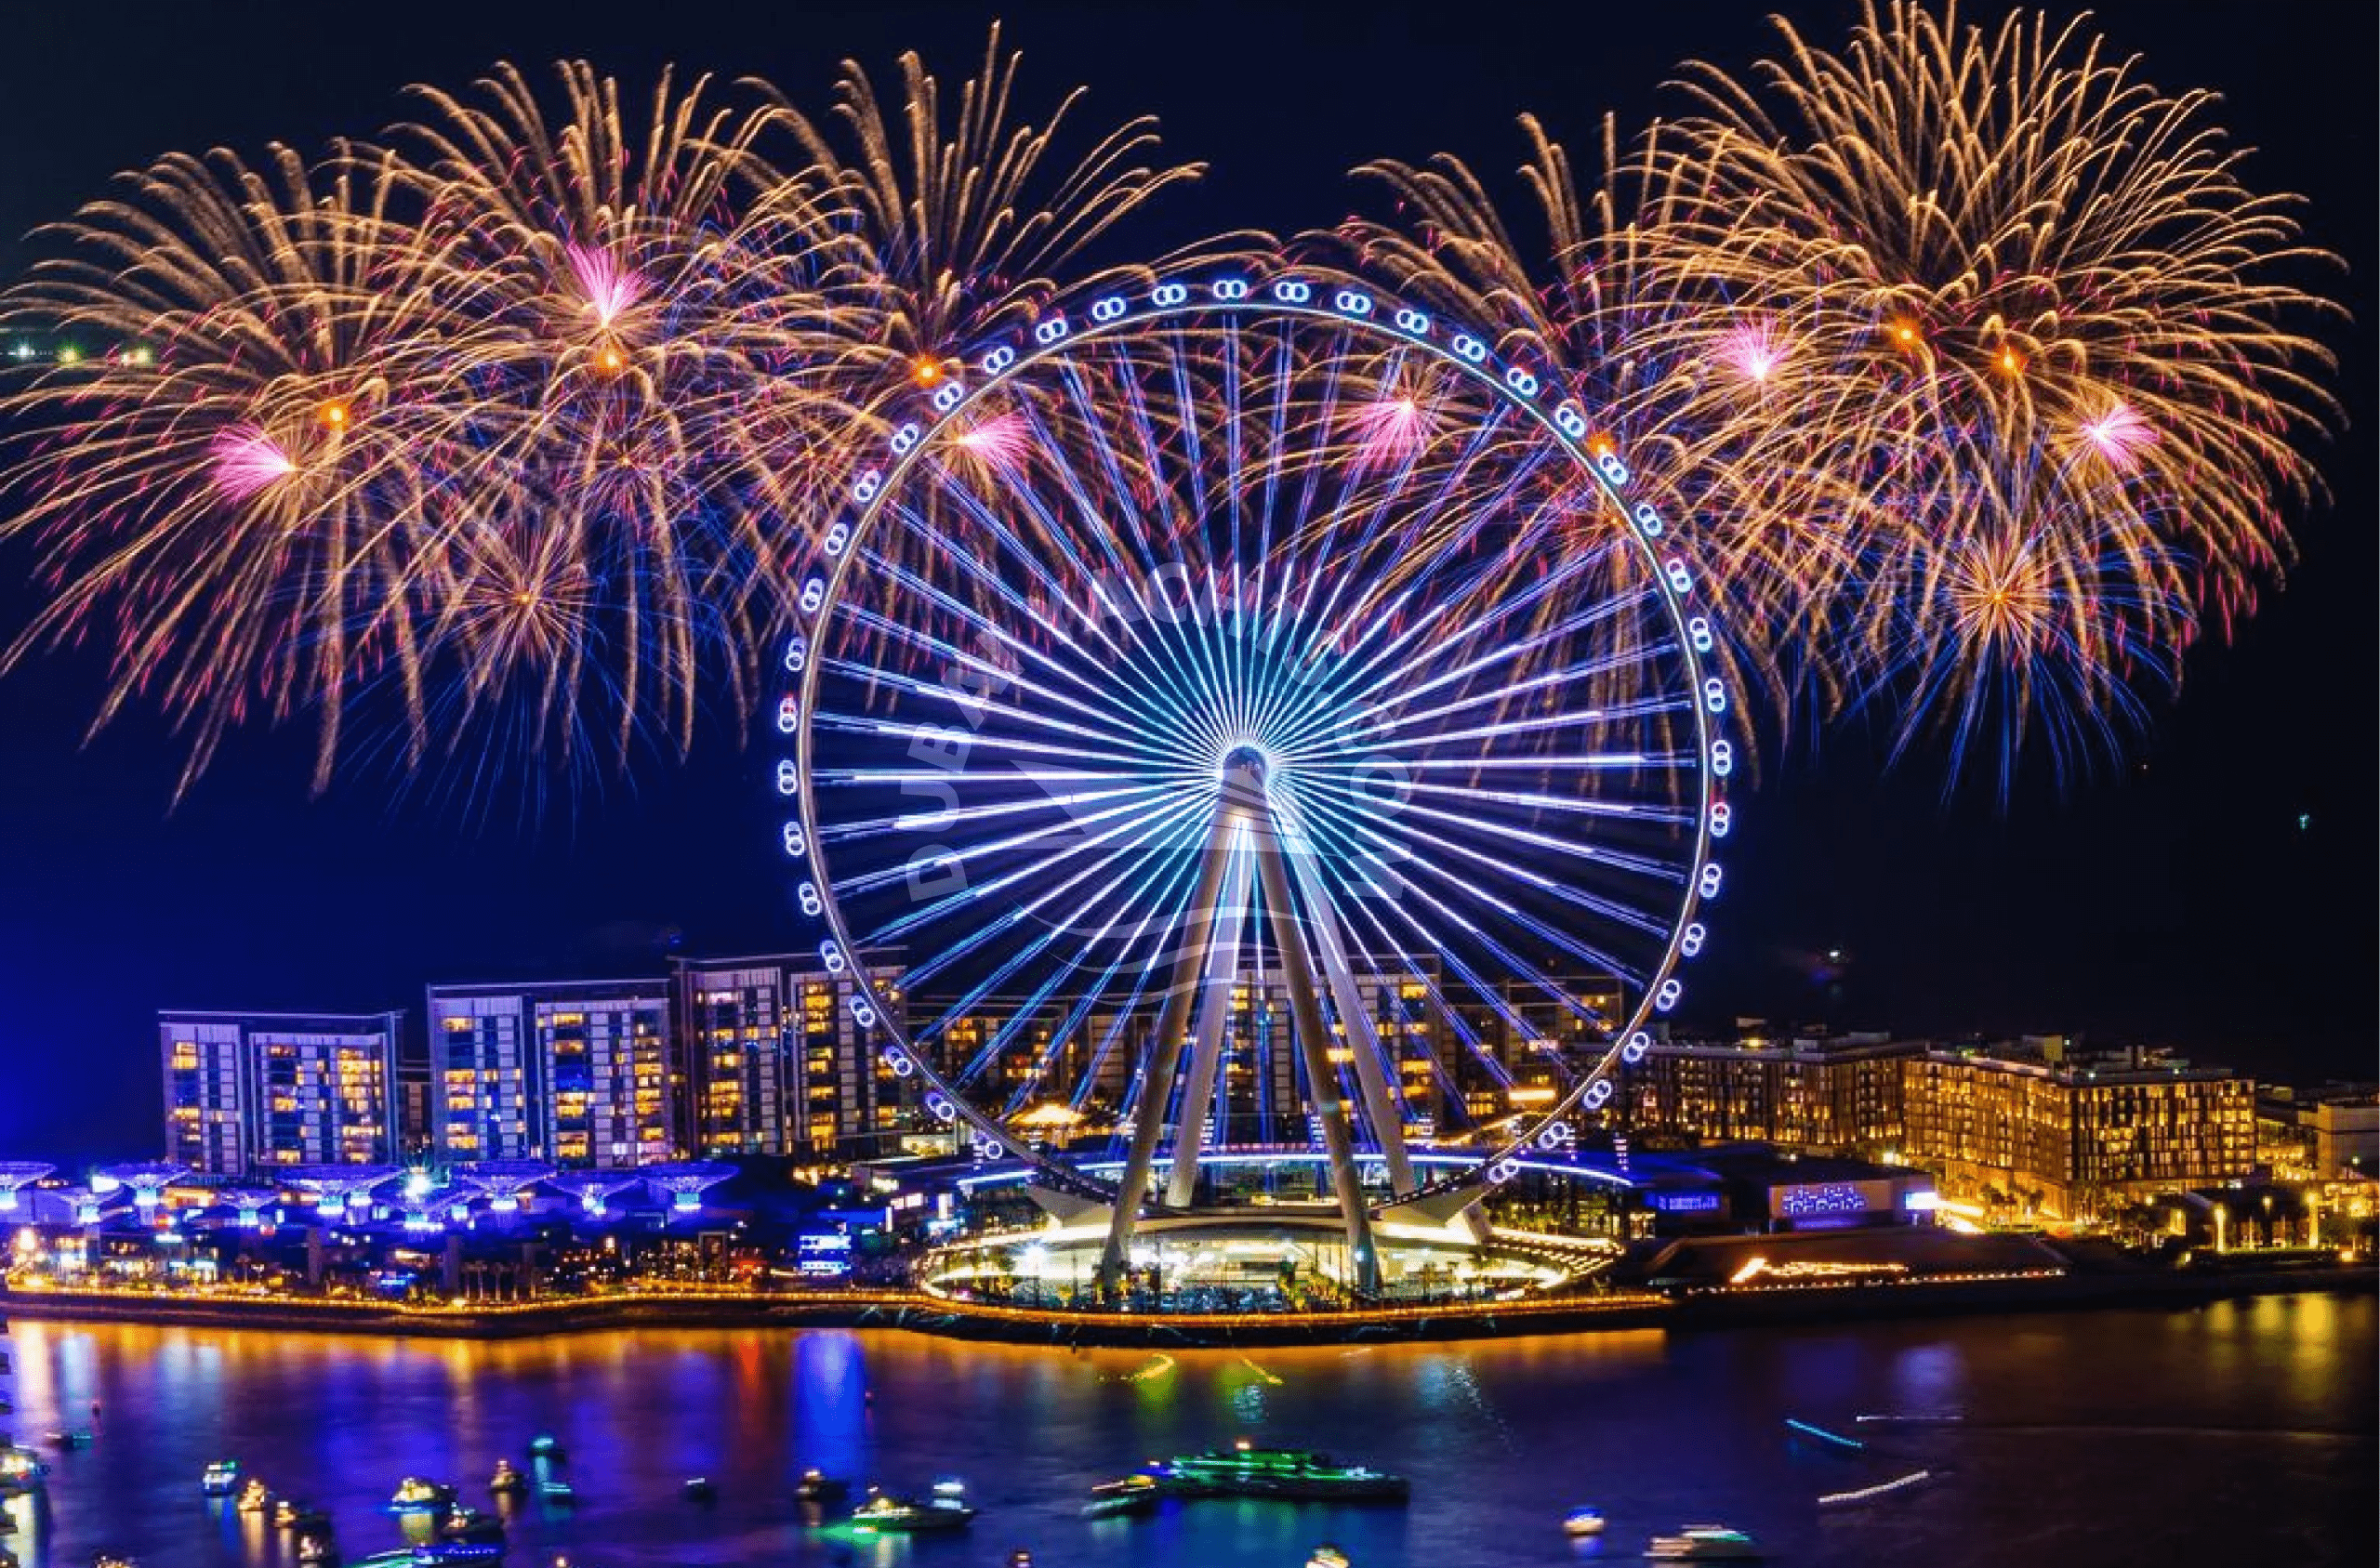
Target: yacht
x: 222, y: 1479
x: 506, y: 1479
x: 254, y: 1498
x: 1289, y: 1474
x: 1704, y: 1543
x: 1582, y: 1521
x: 899, y: 1516
x: 415, y: 1495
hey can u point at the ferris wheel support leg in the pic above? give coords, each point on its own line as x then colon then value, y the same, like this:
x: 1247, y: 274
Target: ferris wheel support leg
x: 1322, y: 1077
x: 1363, y: 1036
x: 1206, y: 1052
x: 1165, y: 1057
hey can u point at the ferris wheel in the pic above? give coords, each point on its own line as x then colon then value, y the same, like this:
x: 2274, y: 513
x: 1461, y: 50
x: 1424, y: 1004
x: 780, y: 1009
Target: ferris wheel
x: 1248, y: 716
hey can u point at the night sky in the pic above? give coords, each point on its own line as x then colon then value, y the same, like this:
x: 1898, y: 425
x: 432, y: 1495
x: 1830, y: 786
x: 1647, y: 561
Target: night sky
x: 2178, y: 901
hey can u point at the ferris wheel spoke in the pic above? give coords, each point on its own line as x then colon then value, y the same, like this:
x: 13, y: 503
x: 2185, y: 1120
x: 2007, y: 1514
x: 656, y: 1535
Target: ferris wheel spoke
x: 956, y: 860
x: 1512, y: 833
x: 1077, y: 673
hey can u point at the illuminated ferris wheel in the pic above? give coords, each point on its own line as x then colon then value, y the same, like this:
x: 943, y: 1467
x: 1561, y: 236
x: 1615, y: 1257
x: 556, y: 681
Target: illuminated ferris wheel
x: 1247, y: 716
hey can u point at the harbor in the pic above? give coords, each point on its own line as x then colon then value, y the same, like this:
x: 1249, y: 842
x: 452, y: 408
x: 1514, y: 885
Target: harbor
x: 2262, y: 1405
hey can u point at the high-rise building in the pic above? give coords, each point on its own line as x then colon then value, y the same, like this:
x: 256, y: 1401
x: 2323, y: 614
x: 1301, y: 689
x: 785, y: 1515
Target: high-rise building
x: 255, y: 1090
x: 777, y: 1064
x: 580, y: 1072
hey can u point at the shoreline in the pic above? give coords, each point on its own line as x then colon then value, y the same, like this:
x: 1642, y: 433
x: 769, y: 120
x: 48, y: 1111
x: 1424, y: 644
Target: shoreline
x: 921, y: 1313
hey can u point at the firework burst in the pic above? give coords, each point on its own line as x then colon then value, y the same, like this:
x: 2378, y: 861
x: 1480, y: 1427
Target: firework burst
x: 1831, y: 306
x: 238, y: 507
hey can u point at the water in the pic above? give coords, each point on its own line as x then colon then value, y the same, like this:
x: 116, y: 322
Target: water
x: 2241, y: 1432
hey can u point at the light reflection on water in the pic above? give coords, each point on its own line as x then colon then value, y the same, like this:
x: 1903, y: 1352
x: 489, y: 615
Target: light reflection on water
x: 2240, y: 1432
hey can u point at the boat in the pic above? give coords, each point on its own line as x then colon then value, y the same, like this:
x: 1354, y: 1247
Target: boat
x: 1289, y: 1474
x: 1704, y: 1543
x: 20, y: 1469
x: 545, y: 1445
x: 1582, y: 1521
x: 115, y: 1559
x: 702, y: 1489
x: 70, y: 1440
x: 318, y: 1547
x: 221, y: 1479
x: 1867, y: 1493
x: 431, y: 1553
x: 506, y: 1479
x: 1327, y: 1556
x: 1133, y: 1494
x: 290, y: 1514
x: 254, y: 1498
x: 816, y: 1486
x: 415, y: 1495
x: 468, y: 1524
x: 558, y: 1491
x: 899, y: 1516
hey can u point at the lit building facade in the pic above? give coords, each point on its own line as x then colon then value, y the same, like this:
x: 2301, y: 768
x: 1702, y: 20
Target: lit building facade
x: 775, y: 1063
x: 2071, y: 1138
x: 578, y: 1073
x: 249, y: 1091
x: 1846, y: 1096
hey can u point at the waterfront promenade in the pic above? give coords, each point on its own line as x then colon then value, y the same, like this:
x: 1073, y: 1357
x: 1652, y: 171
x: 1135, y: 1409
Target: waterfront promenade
x: 697, y: 1307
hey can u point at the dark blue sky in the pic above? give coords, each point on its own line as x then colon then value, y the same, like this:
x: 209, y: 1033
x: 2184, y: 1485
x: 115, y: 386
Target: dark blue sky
x: 2179, y: 901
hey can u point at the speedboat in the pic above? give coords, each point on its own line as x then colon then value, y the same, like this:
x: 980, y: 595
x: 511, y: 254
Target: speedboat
x: 817, y: 1486
x: 1704, y: 1543
x: 415, y: 1495
x: 506, y: 1479
x: 254, y: 1498
x: 899, y: 1516
x: 1135, y: 1494
x: 1582, y: 1521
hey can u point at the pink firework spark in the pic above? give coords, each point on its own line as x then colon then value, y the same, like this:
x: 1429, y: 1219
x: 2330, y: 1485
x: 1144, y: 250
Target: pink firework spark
x: 610, y: 287
x: 1389, y: 431
x: 247, y: 461
x: 2120, y: 435
x: 1000, y: 442
x: 1754, y: 350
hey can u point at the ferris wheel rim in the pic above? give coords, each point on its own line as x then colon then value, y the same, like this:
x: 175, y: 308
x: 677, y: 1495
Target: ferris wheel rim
x: 1347, y: 304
